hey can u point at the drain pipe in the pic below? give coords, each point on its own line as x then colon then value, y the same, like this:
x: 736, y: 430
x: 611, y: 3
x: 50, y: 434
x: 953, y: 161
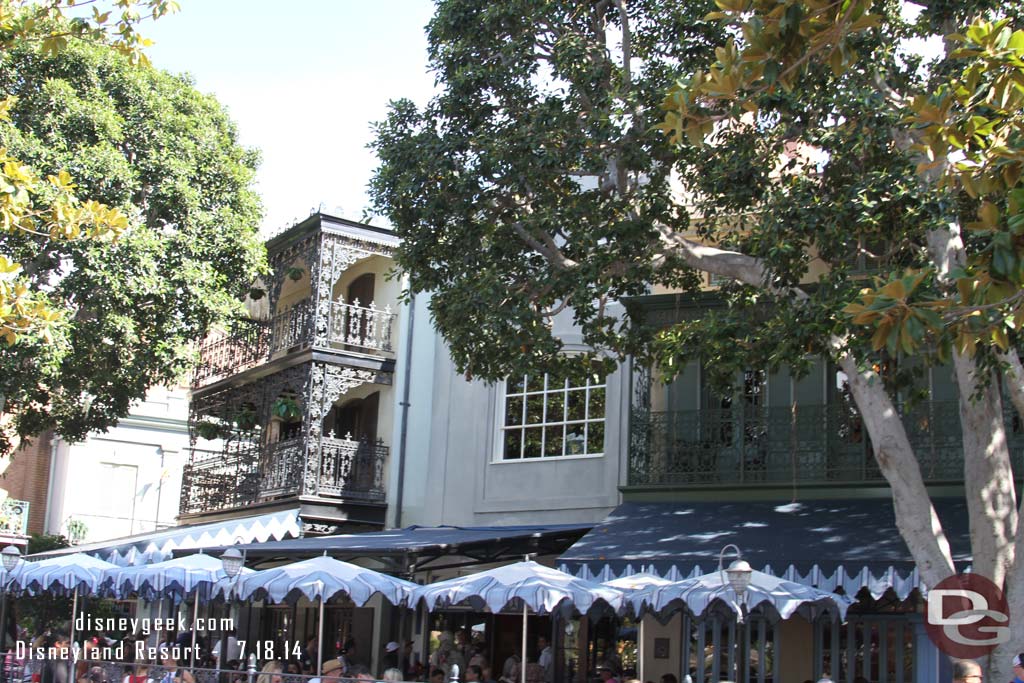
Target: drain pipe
x: 54, y: 442
x: 405, y: 413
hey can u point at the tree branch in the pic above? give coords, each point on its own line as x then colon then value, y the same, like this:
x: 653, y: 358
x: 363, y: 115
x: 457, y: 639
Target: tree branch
x: 545, y: 246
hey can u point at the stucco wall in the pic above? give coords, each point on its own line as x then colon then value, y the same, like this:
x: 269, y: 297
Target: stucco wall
x: 128, y: 479
x: 452, y: 472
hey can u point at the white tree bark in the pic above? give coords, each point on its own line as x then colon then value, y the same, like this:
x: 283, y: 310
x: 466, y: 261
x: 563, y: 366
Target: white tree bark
x: 915, y: 516
x: 1013, y: 378
x: 988, y: 477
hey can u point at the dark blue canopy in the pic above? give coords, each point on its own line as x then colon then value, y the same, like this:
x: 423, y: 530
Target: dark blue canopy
x: 826, y: 534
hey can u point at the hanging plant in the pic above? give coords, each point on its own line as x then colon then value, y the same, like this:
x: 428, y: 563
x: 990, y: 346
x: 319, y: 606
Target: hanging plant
x: 246, y: 419
x: 286, y: 408
x: 295, y: 273
x: 208, y: 430
x: 256, y: 293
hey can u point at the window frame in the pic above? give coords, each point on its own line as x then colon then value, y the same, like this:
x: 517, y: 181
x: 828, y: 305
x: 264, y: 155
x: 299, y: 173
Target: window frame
x: 502, y: 399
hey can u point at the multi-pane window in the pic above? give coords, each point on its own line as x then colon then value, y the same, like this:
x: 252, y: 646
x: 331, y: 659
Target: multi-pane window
x: 550, y: 416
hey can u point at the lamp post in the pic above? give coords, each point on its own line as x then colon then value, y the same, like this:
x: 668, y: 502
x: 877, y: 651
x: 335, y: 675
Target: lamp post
x: 232, y: 560
x: 738, y: 577
x: 11, y: 558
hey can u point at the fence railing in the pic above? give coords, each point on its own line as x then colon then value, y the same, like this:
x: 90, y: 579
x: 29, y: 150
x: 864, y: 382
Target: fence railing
x: 221, y: 480
x: 247, y: 343
x: 248, y: 473
x: 811, y: 444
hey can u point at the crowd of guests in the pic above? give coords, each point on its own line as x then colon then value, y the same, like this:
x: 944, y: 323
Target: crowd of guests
x: 91, y: 666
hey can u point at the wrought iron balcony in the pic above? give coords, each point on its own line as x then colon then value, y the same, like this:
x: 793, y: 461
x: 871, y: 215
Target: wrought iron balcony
x: 245, y: 474
x: 347, y: 327
x: 14, y: 517
x: 813, y: 445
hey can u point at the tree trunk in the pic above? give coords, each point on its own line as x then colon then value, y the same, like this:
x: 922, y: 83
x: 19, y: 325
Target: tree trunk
x: 915, y: 516
x: 988, y: 478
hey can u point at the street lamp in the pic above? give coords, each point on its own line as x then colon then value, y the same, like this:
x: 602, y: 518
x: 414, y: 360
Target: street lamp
x: 737, y: 575
x: 11, y: 556
x: 232, y: 561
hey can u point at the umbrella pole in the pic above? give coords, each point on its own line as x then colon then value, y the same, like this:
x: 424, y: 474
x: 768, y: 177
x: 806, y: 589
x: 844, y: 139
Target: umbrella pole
x: 320, y: 638
x: 640, y: 650
x: 522, y: 664
x: 74, y: 609
x: 195, y: 620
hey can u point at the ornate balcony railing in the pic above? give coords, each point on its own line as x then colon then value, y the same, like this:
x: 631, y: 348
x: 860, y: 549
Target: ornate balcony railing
x: 282, y: 471
x: 352, y: 469
x: 366, y: 328
x: 291, y: 328
x: 220, y: 480
x: 227, y: 352
x: 349, y: 327
x: 236, y: 477
x: 14, y: 517
x: 812, y: 445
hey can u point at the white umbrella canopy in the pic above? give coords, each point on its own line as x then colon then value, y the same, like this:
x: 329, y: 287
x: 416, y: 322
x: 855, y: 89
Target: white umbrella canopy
x: 178, y: 577
x: 63, y: 574
x: 697, y: 594
x: 635, y: 582
x: 319, y: 577
x: 541, y: 588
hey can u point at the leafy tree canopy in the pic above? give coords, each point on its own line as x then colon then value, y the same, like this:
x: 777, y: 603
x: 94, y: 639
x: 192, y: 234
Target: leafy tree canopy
x: 164, y: 161
x: 851, y: 199
x: 543, y: 176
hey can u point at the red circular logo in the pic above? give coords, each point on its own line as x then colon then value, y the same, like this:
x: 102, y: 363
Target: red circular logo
x: 966, y: 616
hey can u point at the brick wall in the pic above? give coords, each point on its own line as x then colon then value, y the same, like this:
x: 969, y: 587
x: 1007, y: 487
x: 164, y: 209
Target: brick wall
x: 27, y: 478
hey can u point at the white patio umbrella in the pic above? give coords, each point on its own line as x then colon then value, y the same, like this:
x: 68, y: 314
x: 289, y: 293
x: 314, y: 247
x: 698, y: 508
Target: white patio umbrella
x: 176, y: 578
x: 76, y: 573
x: 541, y: 589
x: 697, y: 594
x: 319, y: 578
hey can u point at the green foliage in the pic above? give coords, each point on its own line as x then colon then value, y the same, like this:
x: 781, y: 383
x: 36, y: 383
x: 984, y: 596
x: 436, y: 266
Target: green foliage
x: 286, y: 408
x: 148, y: 144
x: 40, y: 543
x: 813, y: 116
x: 536, y: 127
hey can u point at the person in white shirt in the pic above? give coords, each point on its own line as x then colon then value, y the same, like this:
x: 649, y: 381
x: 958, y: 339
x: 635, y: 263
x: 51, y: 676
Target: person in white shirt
x: 546, y: 659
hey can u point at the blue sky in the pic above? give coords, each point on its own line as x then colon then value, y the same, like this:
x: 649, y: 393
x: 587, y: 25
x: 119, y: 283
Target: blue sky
x: 303, y: 79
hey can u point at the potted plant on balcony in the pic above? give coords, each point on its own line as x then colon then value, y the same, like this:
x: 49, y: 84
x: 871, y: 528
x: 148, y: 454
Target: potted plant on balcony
x: 246, y: 419
x: 286, y: 408
x: 209, y: 430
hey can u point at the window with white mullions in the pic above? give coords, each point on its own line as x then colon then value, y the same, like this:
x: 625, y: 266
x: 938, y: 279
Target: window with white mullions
x: 550, y: 416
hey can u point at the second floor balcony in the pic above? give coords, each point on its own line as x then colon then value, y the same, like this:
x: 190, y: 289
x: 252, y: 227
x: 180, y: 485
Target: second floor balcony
x: 781, y: 446
x: 342, y: 327
x: 244, y: 473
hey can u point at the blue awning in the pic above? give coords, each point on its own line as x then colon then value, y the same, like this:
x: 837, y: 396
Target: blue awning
x: 848, y: 544
x: 157, y: 546
x: 418, y: 547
